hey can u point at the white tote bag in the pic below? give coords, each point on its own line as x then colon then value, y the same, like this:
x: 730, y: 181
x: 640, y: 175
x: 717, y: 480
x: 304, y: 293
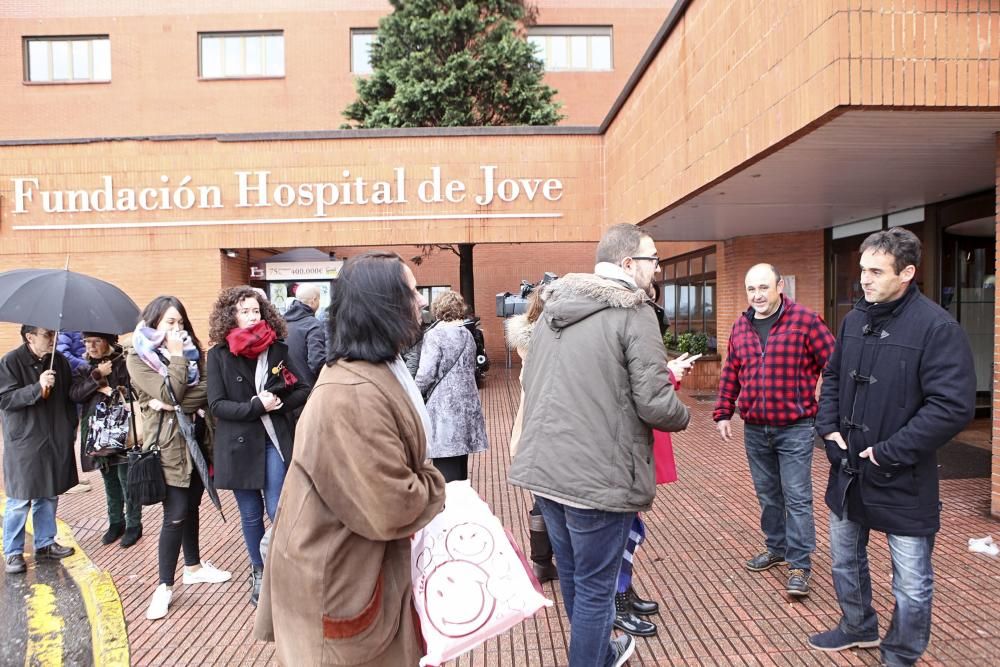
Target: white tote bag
x: 470, y: 582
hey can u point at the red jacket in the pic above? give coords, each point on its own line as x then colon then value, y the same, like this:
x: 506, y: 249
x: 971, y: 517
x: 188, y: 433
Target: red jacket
x: 775, y: 386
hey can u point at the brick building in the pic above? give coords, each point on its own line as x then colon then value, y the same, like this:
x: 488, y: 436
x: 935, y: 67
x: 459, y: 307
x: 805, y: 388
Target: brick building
x: 175, y: 149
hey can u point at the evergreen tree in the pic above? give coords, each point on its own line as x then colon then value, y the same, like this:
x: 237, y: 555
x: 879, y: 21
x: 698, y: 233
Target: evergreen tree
x: 444, y: 63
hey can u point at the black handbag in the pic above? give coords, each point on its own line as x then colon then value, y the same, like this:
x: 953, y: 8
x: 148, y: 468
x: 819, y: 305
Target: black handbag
x: 146, y: 484
x: 108, y: 429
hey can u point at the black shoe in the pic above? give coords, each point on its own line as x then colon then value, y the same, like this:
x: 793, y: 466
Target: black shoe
x: 14, y: 564
x: 628, y: 622
x: 256, y: 578
x: 132, y: 536
x: 115, y: 531
x: 798, y: 583
x: 54, y: 551
x: 540, y: 550
x: 621, y: 650
x: 764, y: 561
x: 545, y: 572
x: 642, y: 607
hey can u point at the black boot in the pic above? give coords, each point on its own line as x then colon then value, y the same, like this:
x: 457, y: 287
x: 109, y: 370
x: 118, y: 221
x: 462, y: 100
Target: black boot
x: 640, y: 606
x: 132, y: 536
x: 541, y: 550
x: 115, y: 531
x: 256, y: 578
x: 627, y: 621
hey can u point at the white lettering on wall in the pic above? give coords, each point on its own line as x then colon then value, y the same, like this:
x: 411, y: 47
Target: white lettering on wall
x: 260, y: 189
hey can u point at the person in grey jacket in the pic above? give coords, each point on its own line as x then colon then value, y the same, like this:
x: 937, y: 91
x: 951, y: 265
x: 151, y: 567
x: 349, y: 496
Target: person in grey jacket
x: 306, y: 339
x: 447, y: 379
x: 596, y: 383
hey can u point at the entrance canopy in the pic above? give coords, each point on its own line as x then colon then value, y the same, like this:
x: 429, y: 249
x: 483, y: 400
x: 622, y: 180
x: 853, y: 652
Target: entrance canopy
x: 857, y: 165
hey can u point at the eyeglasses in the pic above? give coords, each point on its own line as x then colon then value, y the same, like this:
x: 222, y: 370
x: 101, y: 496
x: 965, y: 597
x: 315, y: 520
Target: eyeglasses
x: 43, y: 334
x: 654, y: 258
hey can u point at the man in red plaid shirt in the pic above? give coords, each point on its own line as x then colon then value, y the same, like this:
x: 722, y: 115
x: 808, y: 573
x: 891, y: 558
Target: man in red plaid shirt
x: 777, y: 350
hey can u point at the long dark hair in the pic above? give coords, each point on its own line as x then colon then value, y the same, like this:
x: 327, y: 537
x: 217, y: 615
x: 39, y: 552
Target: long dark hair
x: 372, y: 310
x: 154, y: 311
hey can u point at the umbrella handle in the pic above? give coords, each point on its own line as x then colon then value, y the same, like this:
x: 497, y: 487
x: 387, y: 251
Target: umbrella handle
x: 46, y: 391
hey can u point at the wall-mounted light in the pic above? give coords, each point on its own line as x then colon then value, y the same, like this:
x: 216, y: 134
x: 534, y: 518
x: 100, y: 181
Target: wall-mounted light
x: 230, y: 253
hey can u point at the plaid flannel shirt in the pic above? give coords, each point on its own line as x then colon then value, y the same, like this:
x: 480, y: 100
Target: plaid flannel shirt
x: 775, y: 385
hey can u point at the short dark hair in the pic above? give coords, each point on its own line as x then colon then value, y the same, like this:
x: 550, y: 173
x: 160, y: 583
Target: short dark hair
x: 619, y: 242
x: 223, y: 317
x: 902, y: 244
x: 372, y: 310
x: 157, y: 308
x: 25, y: 330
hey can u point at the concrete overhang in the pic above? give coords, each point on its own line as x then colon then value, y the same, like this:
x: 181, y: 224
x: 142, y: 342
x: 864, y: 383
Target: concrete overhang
x: 856, y: 165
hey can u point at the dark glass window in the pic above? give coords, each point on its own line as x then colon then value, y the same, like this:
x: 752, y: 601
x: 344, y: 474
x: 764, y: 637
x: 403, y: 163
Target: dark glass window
x: 688, y: 290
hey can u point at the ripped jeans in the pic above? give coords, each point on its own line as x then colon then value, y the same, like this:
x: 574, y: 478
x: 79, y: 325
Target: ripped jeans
x: 180, y: 528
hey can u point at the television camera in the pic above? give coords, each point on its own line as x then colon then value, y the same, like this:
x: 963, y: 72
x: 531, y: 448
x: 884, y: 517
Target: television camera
x: 509, y: 304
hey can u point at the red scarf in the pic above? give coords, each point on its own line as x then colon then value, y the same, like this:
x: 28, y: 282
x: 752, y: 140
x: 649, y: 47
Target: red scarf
x: 250, y: 342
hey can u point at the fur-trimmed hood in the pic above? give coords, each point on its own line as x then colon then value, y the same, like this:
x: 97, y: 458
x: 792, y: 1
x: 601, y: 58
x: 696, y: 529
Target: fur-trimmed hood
x: 577, y: 296
x: 518, y: 332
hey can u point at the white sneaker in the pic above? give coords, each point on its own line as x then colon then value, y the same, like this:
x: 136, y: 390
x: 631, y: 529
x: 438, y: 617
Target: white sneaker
x: 208, y: 574
x: 82, y: 487
x: 160, y: 603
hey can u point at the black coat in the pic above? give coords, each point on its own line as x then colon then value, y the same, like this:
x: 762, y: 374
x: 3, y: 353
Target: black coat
x: 306, y: 342
x: 84, y: 392
x: 38, y: 433
x: 901, y: 380
x: 240, y: 438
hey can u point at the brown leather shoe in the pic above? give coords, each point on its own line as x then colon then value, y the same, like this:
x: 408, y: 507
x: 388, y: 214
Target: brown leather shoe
x: 54, y: 551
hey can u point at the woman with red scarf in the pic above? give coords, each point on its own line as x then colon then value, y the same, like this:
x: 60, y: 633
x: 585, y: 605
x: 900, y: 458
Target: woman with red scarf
x: 252, y: 395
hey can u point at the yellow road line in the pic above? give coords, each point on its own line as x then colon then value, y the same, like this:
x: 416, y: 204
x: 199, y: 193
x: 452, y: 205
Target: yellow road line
x: 100, y: 598
x: 45, y: 629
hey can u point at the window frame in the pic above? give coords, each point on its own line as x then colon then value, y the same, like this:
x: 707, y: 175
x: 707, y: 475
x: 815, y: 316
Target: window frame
x: 548, y: 32
x: 689, y: 283
x: 358, y: 32
x: 89, y: 39
x: 243, y: 34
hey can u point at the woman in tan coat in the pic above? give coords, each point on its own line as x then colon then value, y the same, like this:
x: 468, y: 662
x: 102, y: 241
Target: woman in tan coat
x: 337, y: 587
x: 166, y: 349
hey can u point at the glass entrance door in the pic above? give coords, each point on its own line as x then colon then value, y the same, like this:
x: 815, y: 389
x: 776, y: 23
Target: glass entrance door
x: 968, y: 289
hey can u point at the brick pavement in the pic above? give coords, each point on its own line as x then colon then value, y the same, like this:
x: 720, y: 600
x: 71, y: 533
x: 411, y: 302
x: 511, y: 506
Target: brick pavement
x: 701, y: 529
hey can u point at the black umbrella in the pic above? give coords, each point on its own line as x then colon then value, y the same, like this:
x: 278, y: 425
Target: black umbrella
x: 60, y: 299
x: 186, y: 427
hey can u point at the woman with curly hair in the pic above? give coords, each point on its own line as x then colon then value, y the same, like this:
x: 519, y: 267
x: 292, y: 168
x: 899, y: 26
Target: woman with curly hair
x: 252, y: 395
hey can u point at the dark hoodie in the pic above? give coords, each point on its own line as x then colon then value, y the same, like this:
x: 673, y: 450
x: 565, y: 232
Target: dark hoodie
x: 306, y: 342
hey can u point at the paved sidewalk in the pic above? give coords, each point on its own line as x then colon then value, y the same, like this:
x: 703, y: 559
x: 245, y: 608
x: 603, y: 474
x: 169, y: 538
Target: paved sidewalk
x: 701, y: 529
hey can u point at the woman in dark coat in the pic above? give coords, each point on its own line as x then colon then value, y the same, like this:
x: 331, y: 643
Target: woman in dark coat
x: 253, y: 396
x: 105, y: 376
x: 448, y: 374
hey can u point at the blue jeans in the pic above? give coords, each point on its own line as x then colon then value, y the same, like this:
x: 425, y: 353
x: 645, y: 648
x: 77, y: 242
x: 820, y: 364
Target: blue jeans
x: 912, y: 586
x: 15, y: 517
x: 252, y: 502
x: 780, y: 459
x: 588, y: 546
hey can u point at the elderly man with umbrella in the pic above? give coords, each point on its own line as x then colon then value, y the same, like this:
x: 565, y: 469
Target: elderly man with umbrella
x: 39, y: 427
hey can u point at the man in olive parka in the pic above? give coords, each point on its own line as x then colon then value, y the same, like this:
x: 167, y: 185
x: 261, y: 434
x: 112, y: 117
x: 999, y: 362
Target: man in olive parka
x: 596, y: 382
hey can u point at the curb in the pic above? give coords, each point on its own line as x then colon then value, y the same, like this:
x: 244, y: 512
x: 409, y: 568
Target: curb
x: 109, y: 636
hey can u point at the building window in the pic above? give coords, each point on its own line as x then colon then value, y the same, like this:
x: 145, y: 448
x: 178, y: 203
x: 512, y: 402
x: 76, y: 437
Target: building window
x: 688, y: 293
x: 586, y: 48
x: 361, y: 50
x: 67, y: 59
x: 241, y: 55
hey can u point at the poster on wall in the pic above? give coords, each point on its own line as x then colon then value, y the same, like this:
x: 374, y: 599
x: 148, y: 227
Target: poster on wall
x: 789, y: 286
x: 281, y: 294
